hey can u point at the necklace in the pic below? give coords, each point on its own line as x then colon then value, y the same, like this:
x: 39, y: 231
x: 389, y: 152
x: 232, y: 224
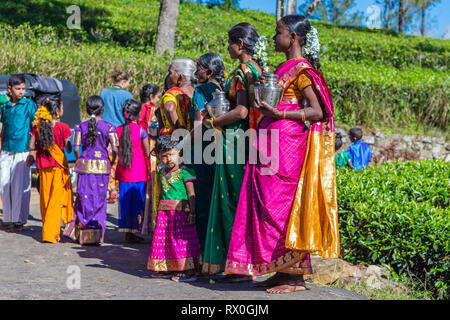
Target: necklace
x: 166, y: 182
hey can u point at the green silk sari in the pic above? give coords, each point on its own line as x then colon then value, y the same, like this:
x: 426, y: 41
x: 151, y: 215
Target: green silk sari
x: 228, y: 176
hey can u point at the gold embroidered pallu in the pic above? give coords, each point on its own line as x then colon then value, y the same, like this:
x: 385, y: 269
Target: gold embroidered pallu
x: 313, y: 225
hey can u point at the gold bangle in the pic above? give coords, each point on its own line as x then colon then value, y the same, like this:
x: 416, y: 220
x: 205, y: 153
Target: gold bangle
x: 303, y: 115
x: 211, y: 122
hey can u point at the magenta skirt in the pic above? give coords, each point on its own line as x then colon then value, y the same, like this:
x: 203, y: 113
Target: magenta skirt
x: 175, y: 245
x: 257, y: 245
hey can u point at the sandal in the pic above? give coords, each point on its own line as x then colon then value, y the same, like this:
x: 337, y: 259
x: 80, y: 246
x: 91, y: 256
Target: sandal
x: 184, y: 277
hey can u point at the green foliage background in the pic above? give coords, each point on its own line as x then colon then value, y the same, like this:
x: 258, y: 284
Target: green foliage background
x: 376, y: 77
x: 398, y: 215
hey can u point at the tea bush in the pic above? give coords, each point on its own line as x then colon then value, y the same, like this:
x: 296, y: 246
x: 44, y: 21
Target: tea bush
x: 398, y: 215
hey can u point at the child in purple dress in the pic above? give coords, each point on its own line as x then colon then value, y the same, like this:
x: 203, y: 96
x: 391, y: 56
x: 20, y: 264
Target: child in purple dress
x: 93, y: 167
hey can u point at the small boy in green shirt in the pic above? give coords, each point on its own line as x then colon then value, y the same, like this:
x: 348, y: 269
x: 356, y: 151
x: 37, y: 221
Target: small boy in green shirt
x: 17, y: 115
x: 342, y: 159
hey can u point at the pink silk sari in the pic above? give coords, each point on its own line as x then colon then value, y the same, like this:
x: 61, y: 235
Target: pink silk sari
x: 258, y: 238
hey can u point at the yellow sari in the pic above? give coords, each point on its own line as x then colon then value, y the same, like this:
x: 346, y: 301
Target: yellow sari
x: 56, y: 198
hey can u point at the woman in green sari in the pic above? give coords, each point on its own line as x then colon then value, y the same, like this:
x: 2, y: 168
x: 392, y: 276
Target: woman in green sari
x: 229, y: 175
x: 211, y: 76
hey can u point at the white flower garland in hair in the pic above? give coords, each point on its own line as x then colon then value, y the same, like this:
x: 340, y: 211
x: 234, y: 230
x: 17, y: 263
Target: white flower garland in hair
x: 312, y: 46
x: 260, y: 51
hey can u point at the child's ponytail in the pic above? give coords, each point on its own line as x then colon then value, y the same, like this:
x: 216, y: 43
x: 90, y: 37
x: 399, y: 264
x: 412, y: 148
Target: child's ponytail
x: 94, y: 108
x: 130, y: 111
x: 43, y: 122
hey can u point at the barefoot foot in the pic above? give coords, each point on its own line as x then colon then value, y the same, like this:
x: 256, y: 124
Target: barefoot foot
x: 277, y: 278
x: 286, y: 288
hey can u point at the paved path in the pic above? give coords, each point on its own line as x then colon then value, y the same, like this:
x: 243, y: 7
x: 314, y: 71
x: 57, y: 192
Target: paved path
x: 31, y: 269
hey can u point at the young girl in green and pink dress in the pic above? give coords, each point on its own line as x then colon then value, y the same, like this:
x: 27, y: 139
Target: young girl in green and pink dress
x: 175, y: 251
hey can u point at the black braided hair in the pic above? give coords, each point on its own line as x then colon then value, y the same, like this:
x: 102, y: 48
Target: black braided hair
x: 214, y: 63
x: 249, y: 36
x: 301, y: 26
x: 94, y: 107
x: 130, y: 110
x: 45, y: 136
x: 147, y: 91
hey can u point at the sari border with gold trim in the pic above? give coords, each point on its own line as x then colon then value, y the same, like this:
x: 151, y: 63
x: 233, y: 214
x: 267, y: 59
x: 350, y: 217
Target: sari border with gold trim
x: 212, y: 268
x: 93, y: 166
x: 284, y: 263
x: 173, y: 264
x: 128, y: 230
x: 291, y: 75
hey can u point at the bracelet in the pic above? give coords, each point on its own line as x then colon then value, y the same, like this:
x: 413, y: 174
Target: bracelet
x: 211, y: 122
x: 303, y: 115
x: 283, y: 114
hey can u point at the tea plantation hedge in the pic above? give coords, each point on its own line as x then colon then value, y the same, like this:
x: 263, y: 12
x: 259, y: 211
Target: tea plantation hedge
x: 398, y: 215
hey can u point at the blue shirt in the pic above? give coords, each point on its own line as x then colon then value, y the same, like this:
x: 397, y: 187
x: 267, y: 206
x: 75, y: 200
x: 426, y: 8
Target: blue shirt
x: 17, y: 122
x: 202, y: 95
x: 114, y: 99
x: 360, y: 154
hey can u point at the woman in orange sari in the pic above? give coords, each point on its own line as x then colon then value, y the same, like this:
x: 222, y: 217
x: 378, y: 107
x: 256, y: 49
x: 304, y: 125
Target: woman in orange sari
x: 48, y: 140
x: 288, y: 211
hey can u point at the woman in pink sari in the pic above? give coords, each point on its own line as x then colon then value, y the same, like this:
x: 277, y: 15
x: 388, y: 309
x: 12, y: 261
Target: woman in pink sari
x: 288, y: 209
